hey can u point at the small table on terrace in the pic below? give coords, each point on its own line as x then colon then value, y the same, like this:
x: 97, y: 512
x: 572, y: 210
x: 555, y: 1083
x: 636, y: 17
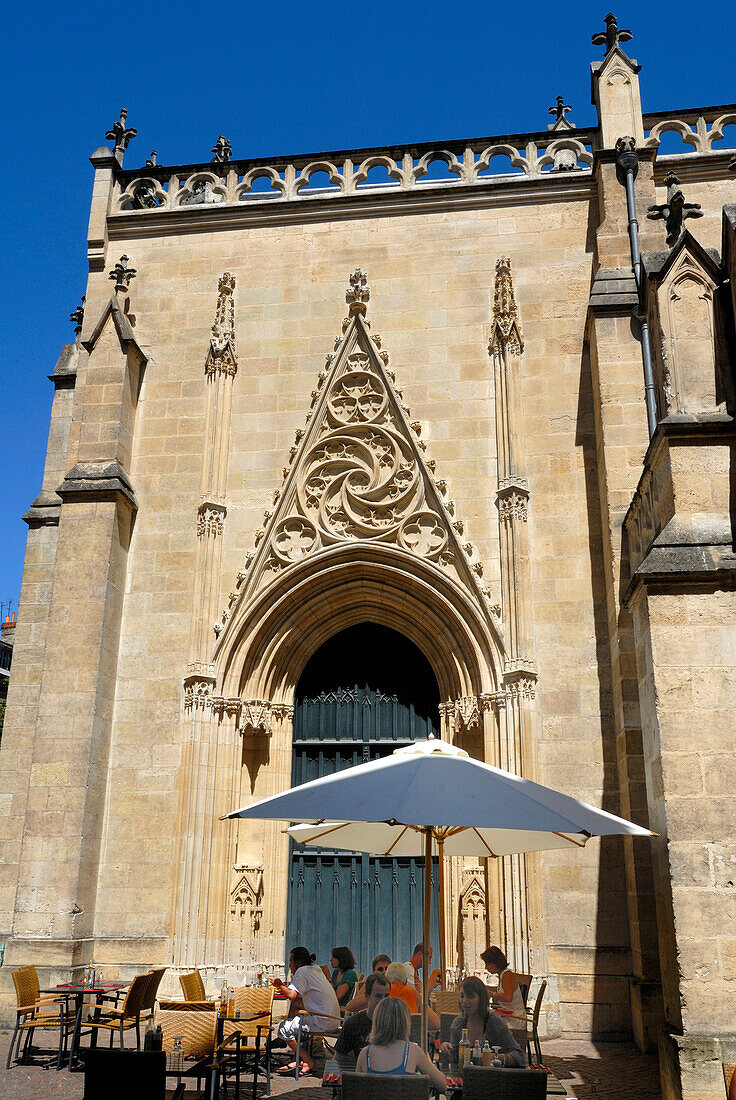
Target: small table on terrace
x: 334, y: 1068
x: 78, y: 990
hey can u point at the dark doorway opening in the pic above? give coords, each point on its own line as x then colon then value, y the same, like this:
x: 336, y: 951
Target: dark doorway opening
x: 365, y: 692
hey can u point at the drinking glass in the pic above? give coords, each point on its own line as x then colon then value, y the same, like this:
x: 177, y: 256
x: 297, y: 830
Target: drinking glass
x: 497, y: 1060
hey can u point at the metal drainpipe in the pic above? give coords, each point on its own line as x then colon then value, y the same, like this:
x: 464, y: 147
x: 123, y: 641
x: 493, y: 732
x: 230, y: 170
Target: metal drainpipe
x: 628, y: 163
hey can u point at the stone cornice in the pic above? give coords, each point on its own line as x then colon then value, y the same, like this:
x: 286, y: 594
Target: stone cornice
x: 97, y: 481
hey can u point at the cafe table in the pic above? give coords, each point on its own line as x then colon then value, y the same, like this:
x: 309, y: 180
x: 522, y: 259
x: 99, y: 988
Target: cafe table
x: 335, y: 1067
x: 78, y: 991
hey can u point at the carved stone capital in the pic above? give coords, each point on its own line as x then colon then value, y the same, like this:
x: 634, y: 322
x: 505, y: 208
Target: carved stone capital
x: 210, y: 518
x: 256, y: 718
x: 197, y: 693
x: 462, y: 714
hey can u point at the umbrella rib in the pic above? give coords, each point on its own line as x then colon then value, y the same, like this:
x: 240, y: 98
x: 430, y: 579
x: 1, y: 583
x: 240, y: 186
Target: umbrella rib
x: 484, y: 843
x: 571, y: 839
x: 398, y: 838
x: 318, y: 836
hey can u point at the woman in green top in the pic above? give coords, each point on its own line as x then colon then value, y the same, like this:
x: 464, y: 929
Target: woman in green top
x: 344, y: 977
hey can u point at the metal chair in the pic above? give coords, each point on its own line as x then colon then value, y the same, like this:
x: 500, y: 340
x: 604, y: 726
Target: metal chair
x: 120, y: 1074
x: 379, y: 1086
x: 127, y: 1016
x: 482, y: 1083
x: 192, y: 986
x: 32, y: 1013
x: 533, y: 1019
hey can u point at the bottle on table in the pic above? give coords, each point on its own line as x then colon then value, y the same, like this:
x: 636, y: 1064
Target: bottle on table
x: 158, y: 1038
x: 486, y: 1054
x: 477, y: 1058
x: 223, y: 999
x: 231, y: 1001
x: 463, y: 1050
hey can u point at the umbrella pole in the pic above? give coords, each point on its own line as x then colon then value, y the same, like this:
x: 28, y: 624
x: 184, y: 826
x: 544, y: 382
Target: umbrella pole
x: 441, y: 868
x: 425, y: 932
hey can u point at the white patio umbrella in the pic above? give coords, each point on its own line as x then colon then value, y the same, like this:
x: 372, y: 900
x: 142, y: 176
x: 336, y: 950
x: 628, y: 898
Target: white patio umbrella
x: 432, y: 797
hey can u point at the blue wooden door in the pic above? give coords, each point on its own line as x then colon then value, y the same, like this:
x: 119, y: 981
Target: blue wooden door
x: 365, y: 692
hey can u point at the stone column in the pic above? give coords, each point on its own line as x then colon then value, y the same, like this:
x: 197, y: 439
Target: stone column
x: 517, y: 751
x: 212, y: 742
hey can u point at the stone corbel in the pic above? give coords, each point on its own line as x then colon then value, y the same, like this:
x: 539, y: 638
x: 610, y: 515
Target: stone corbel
x: 256, y: 718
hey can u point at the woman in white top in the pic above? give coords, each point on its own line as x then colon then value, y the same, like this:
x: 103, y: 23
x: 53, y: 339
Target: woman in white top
x: 508, y: 995
x: 389, y: 1051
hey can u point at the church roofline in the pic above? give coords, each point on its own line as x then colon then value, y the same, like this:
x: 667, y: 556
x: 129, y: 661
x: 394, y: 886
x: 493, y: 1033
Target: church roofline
x: 586, y: 134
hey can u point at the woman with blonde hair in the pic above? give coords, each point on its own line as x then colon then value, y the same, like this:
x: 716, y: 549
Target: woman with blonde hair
x: 389, y: 1050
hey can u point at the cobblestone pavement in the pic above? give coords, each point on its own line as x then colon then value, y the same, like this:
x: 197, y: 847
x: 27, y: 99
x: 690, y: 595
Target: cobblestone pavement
x: 589, y: 1071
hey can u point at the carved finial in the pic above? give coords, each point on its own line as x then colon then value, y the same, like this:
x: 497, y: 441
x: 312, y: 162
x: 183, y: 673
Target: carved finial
x: 78, y: 316
x: 151, y: 162
x: 612, y: 36
x: 358, y: 293
x: 122, y: 274
x: 221, y: 355
x: 559, y: 111
x: 222, y: 150
x: 675, y: 211
x: 505, y: 331
x: 120, y: 134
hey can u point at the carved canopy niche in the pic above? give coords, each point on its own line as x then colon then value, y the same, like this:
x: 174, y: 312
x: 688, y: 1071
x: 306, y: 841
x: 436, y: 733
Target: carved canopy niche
x: 683, y: 303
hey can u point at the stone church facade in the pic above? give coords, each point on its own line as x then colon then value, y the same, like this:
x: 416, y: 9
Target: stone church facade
x: 529, y: 474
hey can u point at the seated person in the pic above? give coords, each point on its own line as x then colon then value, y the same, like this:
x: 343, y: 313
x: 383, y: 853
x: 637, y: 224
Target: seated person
x: 482, y: 1025
x: 343, y: 975
x: 396, y: 974
x: 356, y: 1029
x: 360, y: 1000
x: 414, y: 966
x: 508, y: 994
x: 308, y: 989
x: 389, y: 1050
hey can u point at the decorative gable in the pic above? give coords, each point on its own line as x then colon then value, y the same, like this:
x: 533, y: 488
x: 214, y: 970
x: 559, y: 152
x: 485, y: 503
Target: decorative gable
x: 358, y: 473
x: 682, y: 298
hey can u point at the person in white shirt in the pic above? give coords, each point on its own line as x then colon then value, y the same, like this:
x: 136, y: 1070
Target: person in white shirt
x: 311, y: 990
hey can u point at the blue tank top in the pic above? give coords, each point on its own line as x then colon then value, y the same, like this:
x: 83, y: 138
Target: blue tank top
x: 387, y: 1072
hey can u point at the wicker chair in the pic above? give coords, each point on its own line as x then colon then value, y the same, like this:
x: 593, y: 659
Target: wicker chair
x: 192, y: 986
x: 504, y: 1084
x: 446, y: 1019
x: 533, y: 1019
x: 128, y: 1015
x: 445, y: 1000
x: 195, y: 1024
x: 32, y: 1013
x: 120, y: 1074
x: 525, y: 981
x: 149, y: 1001
x: 379, y: 1086
x: 255, y: 1006
x: 311, y: 1035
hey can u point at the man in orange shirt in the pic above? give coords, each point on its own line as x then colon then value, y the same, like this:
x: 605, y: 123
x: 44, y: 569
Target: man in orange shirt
x: 396, y: 974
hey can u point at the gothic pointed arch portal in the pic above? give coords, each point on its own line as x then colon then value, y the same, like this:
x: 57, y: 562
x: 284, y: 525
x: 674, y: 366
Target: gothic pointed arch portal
x: 361, y: 531
x: 366, y: 691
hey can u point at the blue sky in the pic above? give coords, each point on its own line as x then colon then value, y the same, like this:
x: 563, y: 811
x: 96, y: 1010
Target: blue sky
x: 274, y: 78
